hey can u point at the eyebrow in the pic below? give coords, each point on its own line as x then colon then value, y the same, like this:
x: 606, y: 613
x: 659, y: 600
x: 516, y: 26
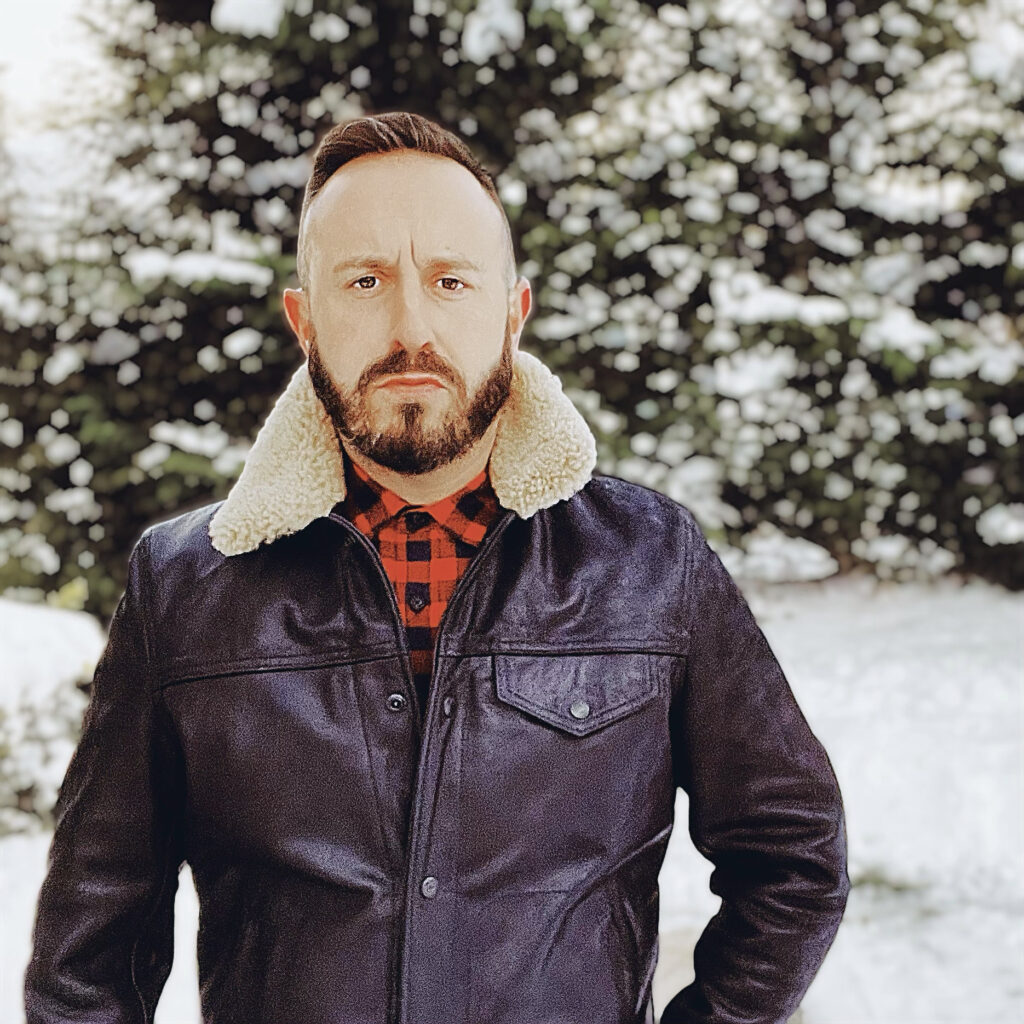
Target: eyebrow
x: 373, y: 261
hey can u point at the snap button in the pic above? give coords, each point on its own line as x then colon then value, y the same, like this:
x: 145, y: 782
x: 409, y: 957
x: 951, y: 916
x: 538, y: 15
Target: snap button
x: 396, y: 701
x: 429, y: 887
x: 417, y: 602
x: 416, y: 520
x: 449, y: 703
x: 579, y: 709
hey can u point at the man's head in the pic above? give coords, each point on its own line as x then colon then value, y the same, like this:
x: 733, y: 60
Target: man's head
x: 406, y: 265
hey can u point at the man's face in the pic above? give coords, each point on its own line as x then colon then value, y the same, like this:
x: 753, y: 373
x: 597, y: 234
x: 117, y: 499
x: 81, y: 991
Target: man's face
x: 407, y: 276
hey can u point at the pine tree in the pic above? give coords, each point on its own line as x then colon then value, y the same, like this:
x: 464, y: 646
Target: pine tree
x: 789, y: 277
x: 171, y: 345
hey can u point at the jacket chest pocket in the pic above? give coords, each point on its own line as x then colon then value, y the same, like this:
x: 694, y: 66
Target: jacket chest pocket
x: 580, y: 694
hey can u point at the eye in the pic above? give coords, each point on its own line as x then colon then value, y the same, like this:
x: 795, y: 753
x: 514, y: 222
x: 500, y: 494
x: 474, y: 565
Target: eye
x: 365, y: 277
x: 457, y: 282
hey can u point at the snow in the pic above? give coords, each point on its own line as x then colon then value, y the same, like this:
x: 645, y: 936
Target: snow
x: 915, y: 692
x: 51, y: 67
x: 997, y: 55
x: 329, y: 27
x: 250, y: 18
x: 1002, y: 524
x: 771, y: 555
x: 745, y: 297
x: 992, y: 349
x: 45, y: 651
x: 148, y: 266
x: 908, y: 194
x: 243, y: 342
x: 1012, y: 159
x: 899, y: 329
x: 490, y: 28
x: 748, y: 371
x: 66, y: 360
x: 113, y: 346
x: 826, y: 227
x: 983, y: 254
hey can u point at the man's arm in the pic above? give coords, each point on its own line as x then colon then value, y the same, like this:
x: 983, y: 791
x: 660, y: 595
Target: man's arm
x: 764, y: 808
x: 104, y: 929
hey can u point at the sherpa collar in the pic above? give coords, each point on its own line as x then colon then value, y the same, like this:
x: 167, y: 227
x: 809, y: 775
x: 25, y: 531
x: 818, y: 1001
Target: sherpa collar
x: 543, y: 452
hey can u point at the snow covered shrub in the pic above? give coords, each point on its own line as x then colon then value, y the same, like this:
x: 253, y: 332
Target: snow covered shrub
x: 48, y: 657
x: 788, y: 242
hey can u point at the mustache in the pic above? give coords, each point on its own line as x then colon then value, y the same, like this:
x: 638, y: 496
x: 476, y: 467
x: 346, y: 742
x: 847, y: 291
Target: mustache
x: 400, y: 361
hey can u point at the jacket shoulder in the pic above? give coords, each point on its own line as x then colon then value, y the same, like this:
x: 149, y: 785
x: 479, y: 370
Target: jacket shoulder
x: 182, y: 540
x: 644, y: 507
x: 625, y: 525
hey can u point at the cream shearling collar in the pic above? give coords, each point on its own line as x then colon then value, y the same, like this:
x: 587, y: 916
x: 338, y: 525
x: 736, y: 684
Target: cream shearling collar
x: 543, y: 452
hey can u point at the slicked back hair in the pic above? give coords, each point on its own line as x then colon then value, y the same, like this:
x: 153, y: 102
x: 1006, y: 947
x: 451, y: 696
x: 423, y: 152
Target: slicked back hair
x: 387, y: 133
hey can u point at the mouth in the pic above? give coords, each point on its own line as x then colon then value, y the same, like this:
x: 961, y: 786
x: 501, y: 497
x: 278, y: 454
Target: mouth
x: 411, y: 380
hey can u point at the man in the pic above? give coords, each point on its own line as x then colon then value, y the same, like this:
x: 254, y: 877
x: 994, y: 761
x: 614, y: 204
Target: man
x: 414, y: 700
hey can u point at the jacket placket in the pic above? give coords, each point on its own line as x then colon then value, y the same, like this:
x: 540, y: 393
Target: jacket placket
x: 420, y: 887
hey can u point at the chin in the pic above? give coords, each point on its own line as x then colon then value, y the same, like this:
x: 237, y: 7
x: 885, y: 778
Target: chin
x: 392, y: 414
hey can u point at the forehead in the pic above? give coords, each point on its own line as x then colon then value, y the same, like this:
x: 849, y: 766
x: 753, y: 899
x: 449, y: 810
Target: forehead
x: 382, y: 202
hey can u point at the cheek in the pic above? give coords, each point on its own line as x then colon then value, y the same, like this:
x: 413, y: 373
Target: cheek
x: 481, y: 327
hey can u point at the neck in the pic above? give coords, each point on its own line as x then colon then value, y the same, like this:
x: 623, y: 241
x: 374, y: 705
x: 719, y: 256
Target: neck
x: 426, y: 488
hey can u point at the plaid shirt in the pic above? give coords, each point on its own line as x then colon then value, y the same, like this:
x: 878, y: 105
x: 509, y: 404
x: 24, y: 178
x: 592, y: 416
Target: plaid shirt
x: 424, y: 548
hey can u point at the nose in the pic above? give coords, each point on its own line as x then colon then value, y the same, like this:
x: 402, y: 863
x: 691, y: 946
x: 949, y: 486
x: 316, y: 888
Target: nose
x: 411, y: 324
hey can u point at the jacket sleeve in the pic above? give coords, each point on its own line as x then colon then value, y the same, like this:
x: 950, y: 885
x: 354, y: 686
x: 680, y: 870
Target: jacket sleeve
x: 103, y: 935
x: 764, y: 808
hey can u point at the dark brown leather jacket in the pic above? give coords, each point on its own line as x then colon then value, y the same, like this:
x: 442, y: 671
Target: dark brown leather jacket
x: 254, y: 715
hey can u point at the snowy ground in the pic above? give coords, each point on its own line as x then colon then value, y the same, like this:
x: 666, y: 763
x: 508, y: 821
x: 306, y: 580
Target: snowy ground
x: 917, y: 693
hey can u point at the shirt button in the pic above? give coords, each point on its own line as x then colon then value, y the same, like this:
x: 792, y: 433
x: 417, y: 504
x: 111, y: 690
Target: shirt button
x: 417, y: 602
x: 579, y: 709
x: 429, y: 887
x: 417, y: 520
x: 396, y: 701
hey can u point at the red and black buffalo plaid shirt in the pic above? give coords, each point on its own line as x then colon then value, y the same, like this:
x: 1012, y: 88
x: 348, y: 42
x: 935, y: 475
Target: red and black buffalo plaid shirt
x: 424, y: 548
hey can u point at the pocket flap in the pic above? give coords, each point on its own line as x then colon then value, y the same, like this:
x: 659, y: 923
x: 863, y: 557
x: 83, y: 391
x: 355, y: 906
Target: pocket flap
x: 579, y: 693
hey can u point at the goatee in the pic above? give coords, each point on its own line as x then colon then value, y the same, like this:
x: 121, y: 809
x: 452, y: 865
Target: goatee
x: 411, y: 447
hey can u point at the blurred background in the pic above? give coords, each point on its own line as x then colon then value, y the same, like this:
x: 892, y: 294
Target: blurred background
x: 777, y: 257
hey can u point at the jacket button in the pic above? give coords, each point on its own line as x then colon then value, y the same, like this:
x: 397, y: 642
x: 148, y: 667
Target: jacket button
x: 429, y: 887
x: 579, y: 709
x: 396, y: 701
x: 449, y: 703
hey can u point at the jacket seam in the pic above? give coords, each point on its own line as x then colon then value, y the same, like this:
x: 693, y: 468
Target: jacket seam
x: 694, y: 540
x: 335, y: 659
x: 257, y: 666
x: 372, y: 771
x: 627, y: 645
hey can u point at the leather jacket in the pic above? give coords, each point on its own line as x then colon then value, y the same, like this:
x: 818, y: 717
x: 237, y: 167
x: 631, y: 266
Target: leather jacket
x: 254, y: 714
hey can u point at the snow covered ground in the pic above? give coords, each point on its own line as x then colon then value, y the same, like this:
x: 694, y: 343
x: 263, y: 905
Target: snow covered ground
x: 917, y: 692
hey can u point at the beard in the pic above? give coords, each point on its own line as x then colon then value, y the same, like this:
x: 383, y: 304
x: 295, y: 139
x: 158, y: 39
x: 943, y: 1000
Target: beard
x: 400, y: 438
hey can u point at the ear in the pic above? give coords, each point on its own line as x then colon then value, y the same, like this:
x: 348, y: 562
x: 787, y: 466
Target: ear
x: 297, y: 315
x: 520, y: 303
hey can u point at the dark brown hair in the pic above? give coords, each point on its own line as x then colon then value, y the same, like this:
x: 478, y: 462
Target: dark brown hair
x: 385, y: 133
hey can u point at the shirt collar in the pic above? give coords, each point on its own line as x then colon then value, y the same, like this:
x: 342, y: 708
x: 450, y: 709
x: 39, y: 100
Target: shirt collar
x: 466, y: 513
